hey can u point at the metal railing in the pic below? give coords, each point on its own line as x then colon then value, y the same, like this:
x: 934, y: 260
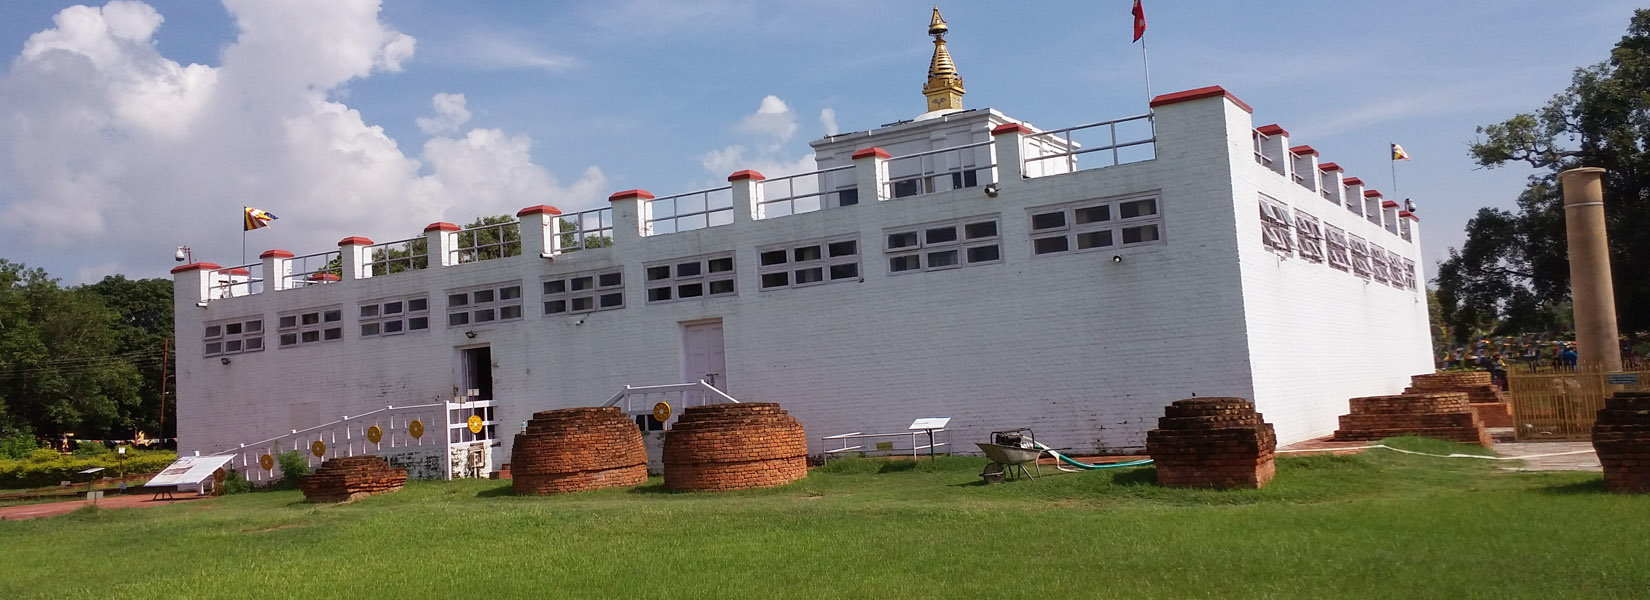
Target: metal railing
x: 697, y: 393
x: 409, y: 254
x: 585, y: 229
x: 488, y: 242
x: 349, y: 436
x: 855, y: 443
x: 1561, y: 404
x: 930, y: 178
x: 689, y: 211
x: 226, y: 283
x: 313, y: 269
x: 1260, y: 149
x: 1063, y: 138
x: 781, y: 196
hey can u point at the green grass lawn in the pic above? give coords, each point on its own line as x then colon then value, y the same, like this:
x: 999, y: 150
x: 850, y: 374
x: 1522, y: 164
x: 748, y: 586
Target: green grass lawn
x: 1376, y: 525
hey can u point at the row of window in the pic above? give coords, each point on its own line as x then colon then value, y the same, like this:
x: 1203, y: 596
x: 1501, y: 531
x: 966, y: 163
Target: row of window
x: 1303, y: 235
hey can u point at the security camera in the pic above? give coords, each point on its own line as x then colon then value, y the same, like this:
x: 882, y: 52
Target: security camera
x: 181, y: 254
x: 991, y: 190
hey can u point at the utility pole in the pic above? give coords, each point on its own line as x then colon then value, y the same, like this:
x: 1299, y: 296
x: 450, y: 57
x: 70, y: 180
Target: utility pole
x: 165, y: 353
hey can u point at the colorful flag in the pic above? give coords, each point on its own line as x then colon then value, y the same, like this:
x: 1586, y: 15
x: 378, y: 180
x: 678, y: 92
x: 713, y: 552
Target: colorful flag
x: 1139, y: 21
x: 1398, y: 153
x: 257, y: 218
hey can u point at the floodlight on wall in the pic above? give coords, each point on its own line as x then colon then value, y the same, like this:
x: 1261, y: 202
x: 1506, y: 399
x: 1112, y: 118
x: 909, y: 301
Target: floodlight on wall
x: 470, y: 334
x: 991, y: 190
x: 224, y: 360
x: 201, y: 304
x: 1117, y: 258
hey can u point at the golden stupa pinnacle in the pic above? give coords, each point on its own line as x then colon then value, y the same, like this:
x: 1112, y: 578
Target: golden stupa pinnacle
x: 944, y: 89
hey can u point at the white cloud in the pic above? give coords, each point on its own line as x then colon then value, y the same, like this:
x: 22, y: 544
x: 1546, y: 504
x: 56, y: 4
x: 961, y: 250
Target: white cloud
x: 493, y: 51
x: 773, y: 123
x: 110, y: 149
x: 732, y: 158
x: 827, y: 120
x: 768, y: 129
x: 450, y: 112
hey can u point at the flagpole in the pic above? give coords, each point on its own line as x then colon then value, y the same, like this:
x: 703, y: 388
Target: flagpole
x: 1392, y: 159
x: 243, y: 234
x: 1146, y: 62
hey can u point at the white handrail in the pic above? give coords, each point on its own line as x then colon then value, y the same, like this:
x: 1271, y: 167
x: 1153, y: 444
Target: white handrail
x: 388, y: 407
x: 697, y: 386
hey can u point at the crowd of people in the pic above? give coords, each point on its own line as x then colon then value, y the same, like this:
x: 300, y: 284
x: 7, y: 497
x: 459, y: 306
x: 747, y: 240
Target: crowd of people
x: 1534, y: 352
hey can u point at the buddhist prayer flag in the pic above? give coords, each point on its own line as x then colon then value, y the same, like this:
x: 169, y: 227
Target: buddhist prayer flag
x: 1398, y: 153
x: 1139, y: 21
x: 257, y: 218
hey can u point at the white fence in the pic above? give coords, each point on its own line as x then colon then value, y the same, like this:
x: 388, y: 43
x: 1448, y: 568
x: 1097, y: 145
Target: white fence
x: 377, y: 432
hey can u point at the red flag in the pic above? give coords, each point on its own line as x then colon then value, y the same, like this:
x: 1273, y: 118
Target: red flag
x: 1139, y: 21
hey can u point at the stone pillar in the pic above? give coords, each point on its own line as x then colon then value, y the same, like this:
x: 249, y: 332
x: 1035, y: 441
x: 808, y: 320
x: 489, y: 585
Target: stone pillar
x: 1275, y: 146
x: 1592, y: 293
x: 352, y: 256
x: 440, y: 242
x: 871, y: 174
x: 631, y: 213
x: 1008, y: 144
x: 746, y: 187
x: 538, y: 230
x: 277, y: 266
x: 192, y: 283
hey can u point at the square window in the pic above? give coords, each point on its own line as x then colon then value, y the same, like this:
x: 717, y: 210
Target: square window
x: 232, y: 346
x: 392, y: 326
x: 418, y: 305
x: 692, y: 269
x: 690, y: 290
x: 214, y: 348
x: 905, y: 188
x: 939, y: 260
x: 847, y: 271
x: 577, y: 284
x: 288, y: 322
x: 1049, y: 245
x: 657, y: 273
x: 907, y: 239
x: 983, y: 229
x: 843, y: 248
x: 847, y: 197
x: 509, y: 293
x: 608, y: 280
x: 418, y: 323
x: 773, y: 280
x: 334, y: 333
x: 555, y: 307
x: 512, y: 311
x: 232, y: 329
x: 658, y: 294
x: 807, y: 253
x: 721, y: 265
x: 614, y: 300
x: 393, y: 308
x: 1137, y: 208
x: 814, y: 275
x: 310, y: 318
x: 1053, y: 220
x: 555, y: 287
x: 721, y: 287
x: 583, y: 303
x: 940, y: 235
x: 482, y: 296
x: 772, y: 257
x: 1092, y: 214
x: 1094, y: 239
x: 1143, y: 233
x: 369, y: 329
x: 456, y: 319
x: 485, y: 315
x: 369, y: 311
x: 213, y: 331
x: 310, y: 337
x: 332, y: 316
x: 254, y: 326
x: 256, y: 343
x: 458, y: 300
x: 289, y: 339
x: 981, y: 254
x: 904, y: 263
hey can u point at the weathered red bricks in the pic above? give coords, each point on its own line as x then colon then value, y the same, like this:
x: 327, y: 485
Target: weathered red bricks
x: 1442, y: 415
x: 1621, y: 437
x: 1485, y: 399
x: 1212, y: 443
x: 734, y: 446
x: 577, y: 449
x: 350, y: 477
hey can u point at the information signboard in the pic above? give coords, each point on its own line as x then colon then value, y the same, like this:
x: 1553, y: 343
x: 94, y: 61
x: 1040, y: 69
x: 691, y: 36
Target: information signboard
x: 189, y: 470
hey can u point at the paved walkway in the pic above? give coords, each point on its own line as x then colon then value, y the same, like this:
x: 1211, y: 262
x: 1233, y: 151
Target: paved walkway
x: 52, y: 509
x: 1585, y: 461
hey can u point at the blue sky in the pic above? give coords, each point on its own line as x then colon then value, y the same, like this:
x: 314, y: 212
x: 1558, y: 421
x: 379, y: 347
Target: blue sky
x: 128, y: 129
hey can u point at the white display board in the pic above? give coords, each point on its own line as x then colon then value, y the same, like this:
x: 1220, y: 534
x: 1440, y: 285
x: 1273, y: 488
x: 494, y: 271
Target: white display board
x: 189, y: 470
x: 929, y: 423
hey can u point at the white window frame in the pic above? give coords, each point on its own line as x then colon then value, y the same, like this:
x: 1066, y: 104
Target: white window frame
x: 1308, y: 237
x: 1379, y: 269
x: 378, y: 317
x: 793, y: 260
x: 322, y: 322
x: 924, y: 249
x: 1275, y: 227
x: 1335, y: 248
x: 1409, y: 274
x: 1360, y: 256
x: 495, y: 306
x: 1070, y: 232
x: 247, y: 337
x: 599, y: 286
x: 720, y: 283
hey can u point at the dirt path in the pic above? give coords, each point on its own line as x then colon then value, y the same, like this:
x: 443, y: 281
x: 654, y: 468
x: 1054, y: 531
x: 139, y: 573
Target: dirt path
x: 52, y: 509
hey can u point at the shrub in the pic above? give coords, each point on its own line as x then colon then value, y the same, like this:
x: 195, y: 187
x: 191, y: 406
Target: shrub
x: 293, y: 465
x: 46, y: 467
x: 17, y: 444
x: 234, y: 483
x: 90, y: 449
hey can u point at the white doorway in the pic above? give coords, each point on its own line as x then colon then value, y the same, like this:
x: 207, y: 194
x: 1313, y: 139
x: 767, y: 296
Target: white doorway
x: 703, y: 357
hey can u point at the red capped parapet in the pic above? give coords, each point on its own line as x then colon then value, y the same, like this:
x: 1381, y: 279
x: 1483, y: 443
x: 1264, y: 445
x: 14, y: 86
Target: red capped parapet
x: 1388, y: 204
x: 1212, y: 91
x: 1372, y: 194
x: 1404, y: 214
x: 1352, y: 181
x: 200, y: 266
x: 1271, y: 130
x: 275, y: 254
x: 355, y: 241
x: 871, y: 152
x: 1302, y: 150
x: 1329, y: 166
x: 542, y: 209
x: 631, y: 195
x: 440, y: 226
x: 746, y: 175
x: 1010, y: 128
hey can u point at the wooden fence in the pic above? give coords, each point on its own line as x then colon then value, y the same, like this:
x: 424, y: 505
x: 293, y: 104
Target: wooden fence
x: 1560, y: 404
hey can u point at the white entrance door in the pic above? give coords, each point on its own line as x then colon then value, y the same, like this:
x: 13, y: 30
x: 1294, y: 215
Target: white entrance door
x: 702, y: 354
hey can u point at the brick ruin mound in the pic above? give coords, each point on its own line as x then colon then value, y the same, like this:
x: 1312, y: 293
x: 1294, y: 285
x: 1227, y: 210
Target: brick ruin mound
x: 1486, y: 400
x: 1621, y: 437
x: 577, y: 449
x: 1441, y: 415
x: 349, y: 478
x: 734, y: 446
x: 1212, y: 443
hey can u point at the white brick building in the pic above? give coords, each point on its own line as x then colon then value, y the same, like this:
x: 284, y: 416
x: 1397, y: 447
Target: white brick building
x: 960, y: 265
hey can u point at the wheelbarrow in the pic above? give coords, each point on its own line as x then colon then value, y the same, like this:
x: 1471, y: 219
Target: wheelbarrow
x: 1009, y: 452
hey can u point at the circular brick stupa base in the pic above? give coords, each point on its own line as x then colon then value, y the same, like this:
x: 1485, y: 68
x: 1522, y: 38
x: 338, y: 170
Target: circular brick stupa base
x: 577, y: 449
x: 351, y: 477
x: 734, y: 446
x: 1621, y: 437
x: 1441, y: 415
x: 1212, y: 443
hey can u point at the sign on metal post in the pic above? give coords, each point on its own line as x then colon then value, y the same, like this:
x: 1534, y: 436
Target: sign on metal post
x: 1622, y: 379
x: 929, y: 424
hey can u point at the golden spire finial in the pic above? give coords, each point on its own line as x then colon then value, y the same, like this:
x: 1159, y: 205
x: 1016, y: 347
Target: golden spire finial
x: 944, y: 89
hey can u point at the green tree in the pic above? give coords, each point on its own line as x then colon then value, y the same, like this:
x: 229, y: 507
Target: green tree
x: 487, y: 238
x: 142, y: 329
x: 1513, y: 270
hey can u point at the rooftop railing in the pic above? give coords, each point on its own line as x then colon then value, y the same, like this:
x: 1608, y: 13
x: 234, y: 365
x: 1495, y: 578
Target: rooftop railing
x: 803, y: 193
x: 488, y: 242
x: 1126, y: 140
x: 689, y: 211
x: 941, y: 170
x: 243, y: 280
x: 585, y: 229
x: 410, y: 254
x: 313, y: 269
